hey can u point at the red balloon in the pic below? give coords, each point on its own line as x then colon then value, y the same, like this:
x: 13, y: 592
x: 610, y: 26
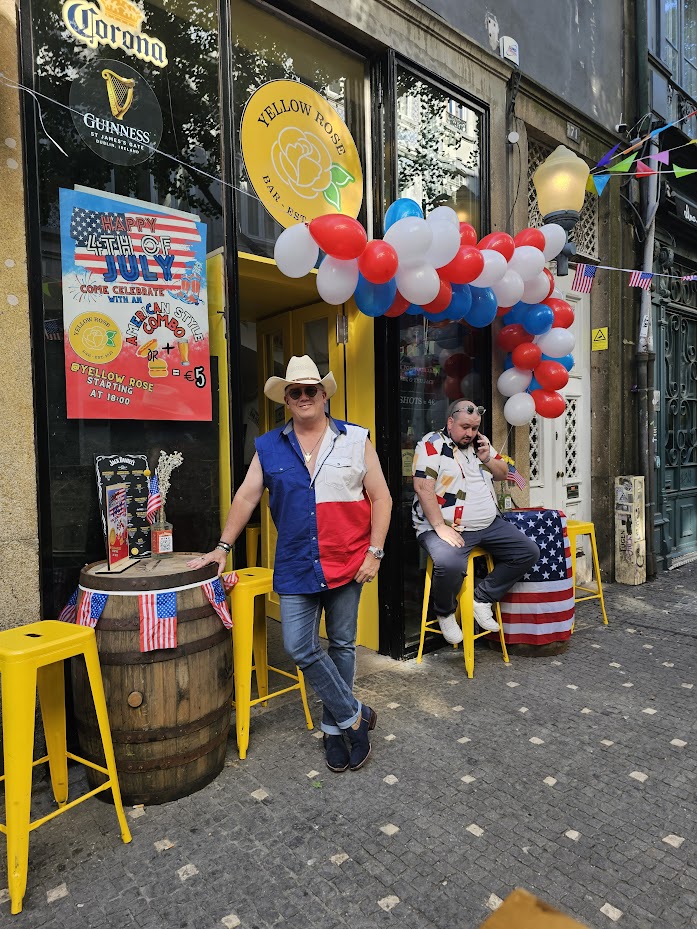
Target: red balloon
x: 456, y: 365
x: 499, y: 242
x: 442, y: 301
x: 468, y: 234
x: 378, y: 263
x: 551, y: 375
x: 527, y: 356
x: 399, y: 306
x: 339, y: 236
x: 550, y: 278
x: 563, y: 313
x: 548, y: 403
x: 530, y: 236
x: 511, y: 336
x: 452, y: 389
x: 502, y: 310
x: 465, y: 267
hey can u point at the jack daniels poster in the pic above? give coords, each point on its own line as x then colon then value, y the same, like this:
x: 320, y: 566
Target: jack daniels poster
x: 128, y: 470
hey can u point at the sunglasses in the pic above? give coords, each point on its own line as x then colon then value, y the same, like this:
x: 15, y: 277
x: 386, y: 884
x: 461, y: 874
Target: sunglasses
x: 295, y: 393
x: 481, y: 410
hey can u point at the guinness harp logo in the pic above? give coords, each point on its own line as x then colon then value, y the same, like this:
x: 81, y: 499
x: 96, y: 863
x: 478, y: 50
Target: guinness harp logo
x: 120, y: 91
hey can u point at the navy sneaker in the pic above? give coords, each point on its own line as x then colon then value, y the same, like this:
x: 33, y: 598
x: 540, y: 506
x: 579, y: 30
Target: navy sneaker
x: 336, y: 752
x: 360, y: 744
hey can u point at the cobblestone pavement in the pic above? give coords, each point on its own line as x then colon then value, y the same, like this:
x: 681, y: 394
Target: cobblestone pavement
x: 573, y: 777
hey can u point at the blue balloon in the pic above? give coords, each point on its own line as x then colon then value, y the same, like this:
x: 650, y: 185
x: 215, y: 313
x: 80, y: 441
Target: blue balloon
x: 374, y: 299
x: 534, y: 385
x: 461, y: 303
x: 405, y: 206
x: 516, y: 314
x: 508, y: 362
x: 484, y: 306
x: 414, y: 310
x: 538, y: 319
x: 566, y: 360
x: 437, y: 317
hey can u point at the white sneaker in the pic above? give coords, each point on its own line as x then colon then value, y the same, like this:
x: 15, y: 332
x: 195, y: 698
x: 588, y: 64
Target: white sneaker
x: 485, y: 617
x: 450, y: 629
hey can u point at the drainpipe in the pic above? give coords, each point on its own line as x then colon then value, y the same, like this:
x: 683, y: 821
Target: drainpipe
x: 645, y: 354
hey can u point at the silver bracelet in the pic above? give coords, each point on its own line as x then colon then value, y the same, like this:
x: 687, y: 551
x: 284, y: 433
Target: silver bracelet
x: 224, y: 547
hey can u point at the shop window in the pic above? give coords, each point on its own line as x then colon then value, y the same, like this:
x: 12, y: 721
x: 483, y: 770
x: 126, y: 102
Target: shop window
x: 438, y: 164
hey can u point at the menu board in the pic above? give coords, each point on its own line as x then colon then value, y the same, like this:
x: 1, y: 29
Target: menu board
x: 126, y: 471
x: 135, y: 309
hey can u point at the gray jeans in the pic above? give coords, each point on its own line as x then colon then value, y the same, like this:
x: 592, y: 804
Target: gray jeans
x: 513, y: 552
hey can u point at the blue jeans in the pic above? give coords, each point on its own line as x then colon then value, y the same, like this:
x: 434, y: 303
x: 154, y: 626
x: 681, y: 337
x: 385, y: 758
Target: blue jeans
x: 330, y: 673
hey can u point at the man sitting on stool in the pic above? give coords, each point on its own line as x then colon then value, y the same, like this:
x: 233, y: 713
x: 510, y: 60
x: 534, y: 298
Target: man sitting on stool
x: 455, y: 510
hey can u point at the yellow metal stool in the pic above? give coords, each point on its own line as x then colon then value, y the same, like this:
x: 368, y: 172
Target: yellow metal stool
x: 574, y: 529
x: 249, y: 636
x: 31, y: 658
x: 465, y: 609
x: 252, y: 535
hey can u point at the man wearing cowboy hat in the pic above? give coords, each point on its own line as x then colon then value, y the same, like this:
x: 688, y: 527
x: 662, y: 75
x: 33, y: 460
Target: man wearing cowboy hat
x: 331, y: 508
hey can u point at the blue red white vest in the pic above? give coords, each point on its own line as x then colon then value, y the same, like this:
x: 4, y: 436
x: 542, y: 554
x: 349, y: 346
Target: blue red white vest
x: 323, y: 522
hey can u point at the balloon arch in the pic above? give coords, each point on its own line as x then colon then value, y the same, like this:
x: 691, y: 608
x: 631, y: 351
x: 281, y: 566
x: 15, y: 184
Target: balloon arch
x: 437, y: 267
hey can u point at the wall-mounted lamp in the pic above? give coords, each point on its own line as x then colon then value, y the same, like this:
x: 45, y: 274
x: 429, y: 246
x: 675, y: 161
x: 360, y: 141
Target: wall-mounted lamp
x: 560, y: 184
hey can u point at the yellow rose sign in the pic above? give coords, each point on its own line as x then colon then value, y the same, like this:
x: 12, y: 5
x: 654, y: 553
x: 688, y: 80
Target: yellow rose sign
x: 299, y: 155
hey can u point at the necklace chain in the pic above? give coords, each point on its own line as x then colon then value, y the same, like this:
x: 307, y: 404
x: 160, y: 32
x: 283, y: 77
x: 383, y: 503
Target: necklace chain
x: 308, y: 455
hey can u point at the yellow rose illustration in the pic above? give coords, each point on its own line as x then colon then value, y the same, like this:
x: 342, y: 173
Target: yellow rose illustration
x: 302, y: 160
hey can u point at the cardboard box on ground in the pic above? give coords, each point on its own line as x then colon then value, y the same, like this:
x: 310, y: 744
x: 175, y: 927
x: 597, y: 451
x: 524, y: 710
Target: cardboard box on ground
x: 522, y: 910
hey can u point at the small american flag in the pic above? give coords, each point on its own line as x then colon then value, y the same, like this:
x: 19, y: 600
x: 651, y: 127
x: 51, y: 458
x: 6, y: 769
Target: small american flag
x: 216, y: 597
x: 640, y: 279
x: 516, y: 477
x: 158, y: 620
x: 689, y: 277
x: 540, y: 607
x: 69, y: 612
x: 154, y: 499
x: 583, y: 279
x: 229, y: 580
x: 91, y: 608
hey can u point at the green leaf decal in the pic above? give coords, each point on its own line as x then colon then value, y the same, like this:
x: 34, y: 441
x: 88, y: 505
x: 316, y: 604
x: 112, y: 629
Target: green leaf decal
x: 340, y: 176
x: 333, y: 196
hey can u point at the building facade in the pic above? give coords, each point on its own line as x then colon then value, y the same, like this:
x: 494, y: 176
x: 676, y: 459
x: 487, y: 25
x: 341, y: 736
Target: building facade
x: 436, y: 114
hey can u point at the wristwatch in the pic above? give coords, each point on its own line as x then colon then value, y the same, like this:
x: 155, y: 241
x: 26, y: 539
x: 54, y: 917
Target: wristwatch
x: 376, y: 552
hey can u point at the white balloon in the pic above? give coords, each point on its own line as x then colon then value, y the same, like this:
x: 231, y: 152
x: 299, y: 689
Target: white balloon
x: 411, y: 238
x: 557, y: 294
x: 419, y: 284
x: 445, y: 244
x: 509, y: 290
x: 555, y: 240
x: 557, y: 342
x: 527, y: 261
x: 337, y: 279
x: 471, y: 384
x: 295, y: 251
x: 513, y: 381
x: 494, y: 268
x: 519, y: 409
x: 444, y: 214
x: 535, y: 290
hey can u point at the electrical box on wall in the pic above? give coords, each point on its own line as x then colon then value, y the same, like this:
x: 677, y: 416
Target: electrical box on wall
x: 508, y: 48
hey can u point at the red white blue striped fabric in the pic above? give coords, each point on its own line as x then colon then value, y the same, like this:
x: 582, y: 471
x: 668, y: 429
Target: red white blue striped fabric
x: 91, y: 607
x: 158, y: 620
x: 640, y: 279
x: 583, y: 278
x: 516, y: 477
x: 215, y: 592
x: 69, y: 612
x: 540, y: 608
x: 154, y: 499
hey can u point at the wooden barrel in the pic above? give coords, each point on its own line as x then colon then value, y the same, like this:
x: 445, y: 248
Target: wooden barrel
x: 169, y: 709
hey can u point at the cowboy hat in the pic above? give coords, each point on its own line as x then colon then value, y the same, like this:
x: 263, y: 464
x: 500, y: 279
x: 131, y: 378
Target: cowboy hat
x: 300, y: 370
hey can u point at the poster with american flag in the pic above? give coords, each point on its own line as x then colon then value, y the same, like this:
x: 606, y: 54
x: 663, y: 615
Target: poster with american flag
x: 135, y: 309
x: 540, y: 608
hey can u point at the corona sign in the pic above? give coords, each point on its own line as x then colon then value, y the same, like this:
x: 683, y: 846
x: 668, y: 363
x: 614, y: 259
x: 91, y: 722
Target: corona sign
x: 115, y: 23
x: 299, y: 155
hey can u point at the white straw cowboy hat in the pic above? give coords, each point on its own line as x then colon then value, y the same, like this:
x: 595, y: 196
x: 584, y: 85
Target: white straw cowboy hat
x: 300, y: 370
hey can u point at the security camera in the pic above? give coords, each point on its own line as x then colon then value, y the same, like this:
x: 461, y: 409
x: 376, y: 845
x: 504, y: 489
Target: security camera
x: 621, y: 128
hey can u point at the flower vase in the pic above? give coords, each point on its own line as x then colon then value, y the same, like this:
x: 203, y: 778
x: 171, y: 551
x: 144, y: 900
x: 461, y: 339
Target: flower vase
x: 161, y: 538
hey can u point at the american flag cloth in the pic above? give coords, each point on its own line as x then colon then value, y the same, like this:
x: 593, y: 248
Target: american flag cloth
x: 215, y: 592
x: 516, y: 477
x: 583, y: 279
x: 69, y: 612
x: 540, y: 608
x: 640, y: 279
x: 158, y: 620
x: 91, y: 608
x: 689, y: 277
x: 98, y: 234
x: 154, y: 499
x: 229, y: 580
x: 53, y: 330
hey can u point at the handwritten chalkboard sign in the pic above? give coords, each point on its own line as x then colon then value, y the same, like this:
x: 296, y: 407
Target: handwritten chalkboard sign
x: 128, y: 470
